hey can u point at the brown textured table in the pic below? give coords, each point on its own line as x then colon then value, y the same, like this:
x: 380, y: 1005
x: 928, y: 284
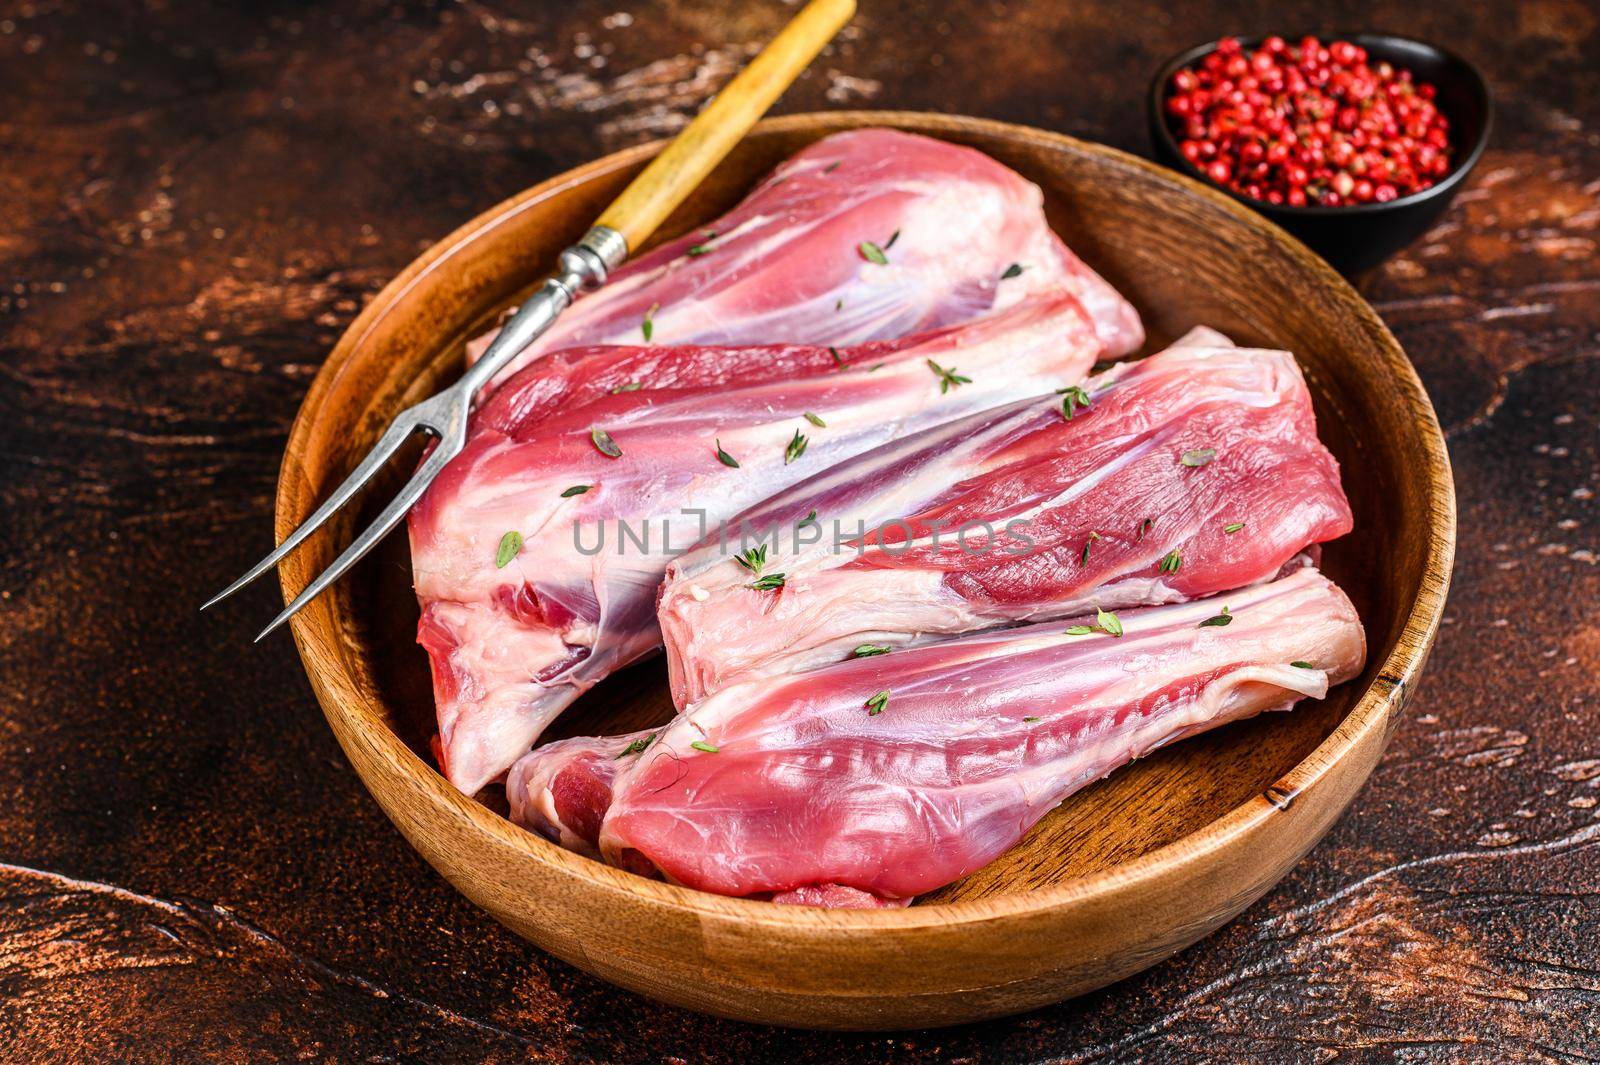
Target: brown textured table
x: 198, y: 201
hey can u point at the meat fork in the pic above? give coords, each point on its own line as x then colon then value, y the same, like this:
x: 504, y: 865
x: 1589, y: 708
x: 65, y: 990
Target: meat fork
x: 624, y: 225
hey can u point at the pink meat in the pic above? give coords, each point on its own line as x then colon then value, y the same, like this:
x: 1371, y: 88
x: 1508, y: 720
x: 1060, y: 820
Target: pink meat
x: 563, y: 794
x: 796, y: 786
x: 563, y: 790
x: 785, y: 265
x: 837, y: 897
x: 1191, y: 472
x: 511, y: 647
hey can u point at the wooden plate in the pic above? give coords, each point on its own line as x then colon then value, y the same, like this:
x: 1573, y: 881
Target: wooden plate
x: 1125, y: 873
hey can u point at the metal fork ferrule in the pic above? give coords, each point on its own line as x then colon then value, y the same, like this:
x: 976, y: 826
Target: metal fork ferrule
x: 610, y: 246
x: 591, y: 259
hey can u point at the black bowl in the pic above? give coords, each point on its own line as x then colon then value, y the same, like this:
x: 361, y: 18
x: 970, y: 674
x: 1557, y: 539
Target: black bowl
x: 1361, y: 235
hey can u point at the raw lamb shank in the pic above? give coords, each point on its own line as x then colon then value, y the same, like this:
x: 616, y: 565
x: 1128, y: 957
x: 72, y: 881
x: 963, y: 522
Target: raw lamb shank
x: 1176, y: 477
x: 538, y: 551
x: 878, y: 779
x: 865, y: 235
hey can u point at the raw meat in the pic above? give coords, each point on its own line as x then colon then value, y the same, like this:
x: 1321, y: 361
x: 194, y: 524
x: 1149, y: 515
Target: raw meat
x: 513, y: 644
x: 795, y: 785
x: 1188, y: 473
x: 562, y: 791
x: 787, y: 266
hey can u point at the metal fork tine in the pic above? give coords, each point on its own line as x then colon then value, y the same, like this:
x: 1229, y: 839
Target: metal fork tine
x: 445, y: 415
x: 381, y: 452
x: 391, y: 516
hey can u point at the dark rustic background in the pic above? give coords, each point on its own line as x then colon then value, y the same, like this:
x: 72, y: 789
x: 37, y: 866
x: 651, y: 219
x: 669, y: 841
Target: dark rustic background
x: 196, y: 202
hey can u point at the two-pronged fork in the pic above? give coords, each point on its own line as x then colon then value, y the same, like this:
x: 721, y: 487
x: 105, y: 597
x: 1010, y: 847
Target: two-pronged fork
x: 630, y: 219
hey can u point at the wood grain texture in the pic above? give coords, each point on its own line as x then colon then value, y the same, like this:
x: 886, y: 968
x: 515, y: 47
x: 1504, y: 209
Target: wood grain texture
x: 200, y: 200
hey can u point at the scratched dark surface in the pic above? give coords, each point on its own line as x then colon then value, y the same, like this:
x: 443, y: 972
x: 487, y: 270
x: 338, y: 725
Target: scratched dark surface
x: 197, y: 201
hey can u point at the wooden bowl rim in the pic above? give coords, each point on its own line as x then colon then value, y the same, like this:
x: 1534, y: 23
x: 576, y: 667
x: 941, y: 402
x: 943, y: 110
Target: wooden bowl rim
x: 316, y: 630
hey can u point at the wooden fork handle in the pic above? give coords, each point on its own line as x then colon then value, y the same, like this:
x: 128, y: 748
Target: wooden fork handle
x: 684, y: 163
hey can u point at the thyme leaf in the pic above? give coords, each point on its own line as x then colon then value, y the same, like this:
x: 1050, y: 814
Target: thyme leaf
x: 637, y: 745
x: 796, y: 448
x: 1071, y: 399
x: 510, y: 545
x: 948, y: 378
x: 872, y: 253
